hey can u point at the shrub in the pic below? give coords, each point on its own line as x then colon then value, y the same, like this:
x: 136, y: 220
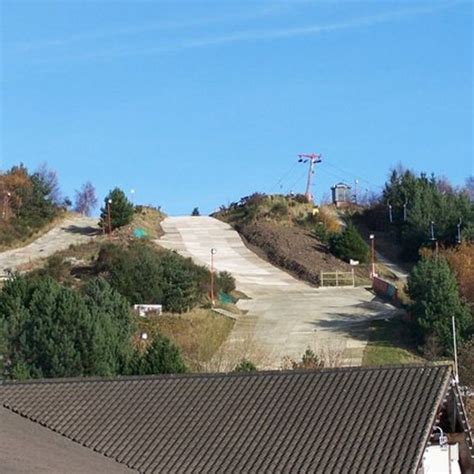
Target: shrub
x: 309, y: 360
x: 321, y: 233
x: 245, y: 366
x: 279, y: 209
x: 145, y: 275
x: 160, y: 357
x: 225, y: 282
x: 349, y: 245
x: 466, y: 363
x: 121, y: 210
x: 195, y: 212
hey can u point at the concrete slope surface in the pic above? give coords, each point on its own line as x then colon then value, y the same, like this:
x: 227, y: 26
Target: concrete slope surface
x: 74, y: 229
x: 284, y: 316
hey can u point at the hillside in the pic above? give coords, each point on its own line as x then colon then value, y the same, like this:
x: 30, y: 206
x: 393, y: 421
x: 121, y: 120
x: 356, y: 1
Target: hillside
x: 289, y: 233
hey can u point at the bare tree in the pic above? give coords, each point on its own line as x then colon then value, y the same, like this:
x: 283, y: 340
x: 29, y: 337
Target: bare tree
x: 50, y: 179
x: 470, y: 187
x: 85, y: 199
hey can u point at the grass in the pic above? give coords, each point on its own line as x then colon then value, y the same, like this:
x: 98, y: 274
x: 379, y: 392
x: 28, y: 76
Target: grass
x: 390, y: 342
x: 199, y: 333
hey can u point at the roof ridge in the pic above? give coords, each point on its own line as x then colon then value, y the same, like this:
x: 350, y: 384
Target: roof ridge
x: 208, y: 375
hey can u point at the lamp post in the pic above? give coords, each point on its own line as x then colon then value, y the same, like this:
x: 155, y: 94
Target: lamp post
x: 109, y: 217
x: 458, y: 237
x: 372, y: 250
x: 213, y: 252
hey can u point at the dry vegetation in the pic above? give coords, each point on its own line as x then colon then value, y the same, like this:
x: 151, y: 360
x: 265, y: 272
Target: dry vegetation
x: 199, y: 334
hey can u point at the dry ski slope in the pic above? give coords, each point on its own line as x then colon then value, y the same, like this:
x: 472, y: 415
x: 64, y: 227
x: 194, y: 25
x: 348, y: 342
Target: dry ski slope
x: 285, y: 316
x: 74, y: 229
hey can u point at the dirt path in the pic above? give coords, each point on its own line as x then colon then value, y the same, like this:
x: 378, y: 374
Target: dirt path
x: 284, y: 316
x: 74, y: 229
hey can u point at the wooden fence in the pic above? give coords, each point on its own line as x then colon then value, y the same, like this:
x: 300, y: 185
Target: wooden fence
x: 338, y: 278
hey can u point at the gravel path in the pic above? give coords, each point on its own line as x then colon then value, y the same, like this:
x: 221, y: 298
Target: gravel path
x: 284, y: 316
x: 74, y: 229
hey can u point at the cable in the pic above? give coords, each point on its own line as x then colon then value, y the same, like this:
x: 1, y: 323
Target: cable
x: 285, y: 176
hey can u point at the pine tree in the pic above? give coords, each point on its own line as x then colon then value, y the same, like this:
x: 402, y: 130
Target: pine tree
x: 121, y: 210
x: 161, y: 357
x: 435, y: 294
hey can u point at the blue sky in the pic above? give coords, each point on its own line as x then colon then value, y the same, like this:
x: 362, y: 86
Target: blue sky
x: 196, y: 103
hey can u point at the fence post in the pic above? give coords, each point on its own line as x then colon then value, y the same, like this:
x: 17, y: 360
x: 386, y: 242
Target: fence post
x: 353, y: 278
x: 337, y: 280
x: 322, y: 278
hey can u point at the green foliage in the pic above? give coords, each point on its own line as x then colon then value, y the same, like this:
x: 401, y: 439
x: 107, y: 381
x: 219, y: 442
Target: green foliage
x: 279, y: 209
x: 309, y: 360
x: 145, y: 275
x: 428, y: 199
x: 196, y: 212
x: 225, y: 282
x: 121, y: 210
x: 27, y: 204
x: 134, y: 271
x: 321, y: 233
x: 160, y: 357
x: 434, y: 291
x: 52, y: 331
x: 245, y: 365
x: 349, y: 245
x: 466, y: 363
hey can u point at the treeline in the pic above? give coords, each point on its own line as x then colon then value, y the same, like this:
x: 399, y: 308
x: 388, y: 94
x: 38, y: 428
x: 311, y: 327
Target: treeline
x: 422, y: 211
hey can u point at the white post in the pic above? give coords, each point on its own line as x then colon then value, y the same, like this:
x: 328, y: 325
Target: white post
x: 353, y: 278
x: 337, y: 280
x: 322, y: 278
x: 456, y: 374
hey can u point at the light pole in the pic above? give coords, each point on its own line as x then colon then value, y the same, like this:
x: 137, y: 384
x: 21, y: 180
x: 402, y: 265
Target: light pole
x: 458, y: 225
x: 213, y: 252
x: 372, y: 250
x: 109, y: 217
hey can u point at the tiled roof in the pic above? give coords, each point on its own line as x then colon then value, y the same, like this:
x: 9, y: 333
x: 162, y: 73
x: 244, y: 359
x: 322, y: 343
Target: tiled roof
x: 27, y: 447
x: 333, y: 420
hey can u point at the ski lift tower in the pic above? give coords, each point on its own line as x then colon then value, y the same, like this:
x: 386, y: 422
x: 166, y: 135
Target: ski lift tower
x: 312, y: 159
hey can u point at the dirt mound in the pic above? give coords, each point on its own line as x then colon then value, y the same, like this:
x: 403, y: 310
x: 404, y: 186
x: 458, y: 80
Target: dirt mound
x: 293, y: 249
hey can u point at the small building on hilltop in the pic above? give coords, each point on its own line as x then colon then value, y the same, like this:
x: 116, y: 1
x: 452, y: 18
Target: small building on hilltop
x: 400, y: 419
x: 341, y: 195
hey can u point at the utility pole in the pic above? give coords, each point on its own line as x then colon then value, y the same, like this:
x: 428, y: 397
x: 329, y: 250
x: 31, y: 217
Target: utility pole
x: 312, y: 159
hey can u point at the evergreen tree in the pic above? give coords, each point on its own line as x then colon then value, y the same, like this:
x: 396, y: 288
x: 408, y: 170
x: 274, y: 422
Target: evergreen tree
x: 349, y: 245
x: 434, y: 291
x: 196, y: 212
x: 52, y: 331
x: 161, y: 357
x: 121, y: 210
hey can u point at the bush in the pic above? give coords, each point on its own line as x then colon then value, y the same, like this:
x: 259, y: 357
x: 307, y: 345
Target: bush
x: 349, y: 245
x: 279, y: 209
x: 225, y: 282
x: 309, y: 360
x: 160, y: 357
x: 321, y: 233
x: 121, y: 210
x: 145, y: 275
x: 245, y: 366
x: 434, y: 291
x: 466, y: 363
